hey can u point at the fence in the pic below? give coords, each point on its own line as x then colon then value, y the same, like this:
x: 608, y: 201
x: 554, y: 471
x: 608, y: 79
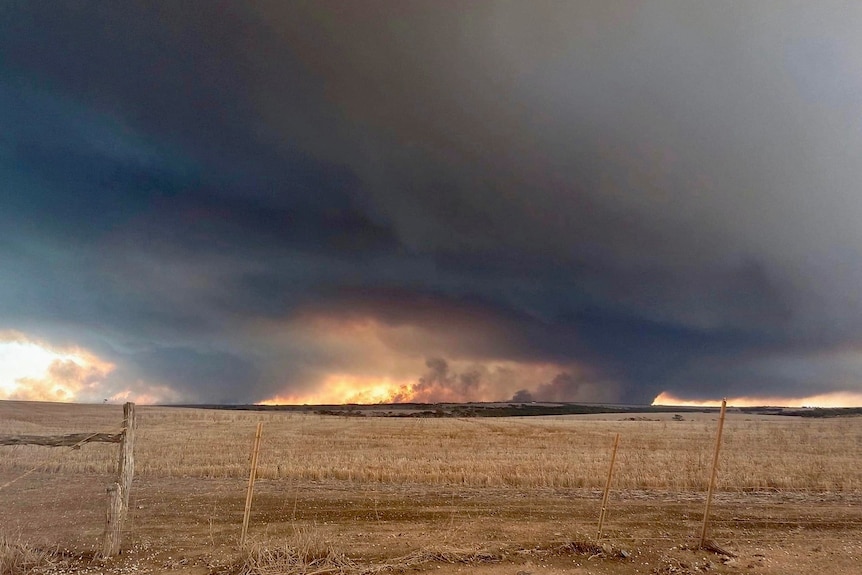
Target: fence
x: 531, y: 457
x: 118, y: 492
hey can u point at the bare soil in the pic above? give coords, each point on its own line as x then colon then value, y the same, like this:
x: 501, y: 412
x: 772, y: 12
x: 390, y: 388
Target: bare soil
x: 192, y: 526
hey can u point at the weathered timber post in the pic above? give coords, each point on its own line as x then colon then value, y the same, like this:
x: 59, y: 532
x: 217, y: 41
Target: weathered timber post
x: 606, y: 494
x: 252, y: 475
x: 113, y: 521
x: 127, y: 454
x: 118, y: 493
x: 713, y: 475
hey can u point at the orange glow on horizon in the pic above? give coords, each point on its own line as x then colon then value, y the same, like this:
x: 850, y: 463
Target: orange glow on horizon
x: 341, y: 388
x: 380, y: 362
x: 496, y: 381
x: 834, y: 399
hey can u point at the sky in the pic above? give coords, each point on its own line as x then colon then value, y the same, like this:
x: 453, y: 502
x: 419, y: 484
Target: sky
x: 326, y: 202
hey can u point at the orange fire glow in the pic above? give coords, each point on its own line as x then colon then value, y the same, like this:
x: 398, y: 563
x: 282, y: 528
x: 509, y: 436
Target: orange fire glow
x: 343, y: 388
x: 496, y: 381
x: 835, y: 399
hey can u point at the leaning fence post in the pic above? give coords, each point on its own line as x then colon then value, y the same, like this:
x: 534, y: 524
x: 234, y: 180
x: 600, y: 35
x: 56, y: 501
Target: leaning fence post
x: 714, y: 472
x: 113, y: 521
x: 606, y: 494
x: 127, y: 454
x: 252, y: 474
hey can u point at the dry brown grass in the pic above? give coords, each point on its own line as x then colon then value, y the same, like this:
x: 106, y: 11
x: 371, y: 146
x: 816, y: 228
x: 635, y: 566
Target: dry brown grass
x: 307, y: 552
x: 18, y: 557
x: 304, y: 552
x: 564, y: 452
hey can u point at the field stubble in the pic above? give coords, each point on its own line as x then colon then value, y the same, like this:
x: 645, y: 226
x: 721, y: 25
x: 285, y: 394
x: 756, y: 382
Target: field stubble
x: 759, y: 452
x: 385, y: 487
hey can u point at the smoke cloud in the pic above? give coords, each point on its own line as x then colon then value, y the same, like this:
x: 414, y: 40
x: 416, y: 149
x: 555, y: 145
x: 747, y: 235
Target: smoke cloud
x: 590, y: 201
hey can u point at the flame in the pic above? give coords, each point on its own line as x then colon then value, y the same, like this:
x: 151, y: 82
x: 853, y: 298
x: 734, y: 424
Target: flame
x: 834, y: 399
x: 494, y: 381
x: 345, y: 388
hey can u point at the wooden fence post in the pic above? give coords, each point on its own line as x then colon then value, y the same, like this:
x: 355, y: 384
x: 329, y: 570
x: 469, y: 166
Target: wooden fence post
x: 249, y: 494
x: 118, y: 493
x: 606, y: 494
x: 113, y: 521
x: 127, y: 454
x: 712, y: 476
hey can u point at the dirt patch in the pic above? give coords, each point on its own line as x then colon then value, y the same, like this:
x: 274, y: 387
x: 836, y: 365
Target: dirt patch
x: 191, y: 526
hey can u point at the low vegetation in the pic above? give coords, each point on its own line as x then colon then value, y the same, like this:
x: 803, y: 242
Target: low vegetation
x: 350, y: 495
x: 657, y: 451
x: 308, y: 552
x: 18, y: 557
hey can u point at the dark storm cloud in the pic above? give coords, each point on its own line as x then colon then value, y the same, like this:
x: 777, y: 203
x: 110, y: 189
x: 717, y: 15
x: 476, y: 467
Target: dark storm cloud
x: 664, y: 195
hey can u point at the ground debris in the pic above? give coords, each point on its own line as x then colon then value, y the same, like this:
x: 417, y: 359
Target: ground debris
x: 289, y: 561
x: 593, y: 550
x: 673, y: 566
x: 710, y: 545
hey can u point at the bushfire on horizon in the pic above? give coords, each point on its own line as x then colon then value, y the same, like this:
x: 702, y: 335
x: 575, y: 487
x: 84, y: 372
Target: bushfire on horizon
x: 35, y: 371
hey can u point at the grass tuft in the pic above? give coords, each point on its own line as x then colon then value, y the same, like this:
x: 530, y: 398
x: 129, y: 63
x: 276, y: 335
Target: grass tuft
x: 307, y: 553
x: 18, y: 557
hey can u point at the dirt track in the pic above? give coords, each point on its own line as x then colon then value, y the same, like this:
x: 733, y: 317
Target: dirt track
x: 192, y: 526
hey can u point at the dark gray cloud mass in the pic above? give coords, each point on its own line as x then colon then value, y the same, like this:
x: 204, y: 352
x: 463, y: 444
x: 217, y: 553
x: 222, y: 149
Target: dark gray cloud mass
x: 646, y: 197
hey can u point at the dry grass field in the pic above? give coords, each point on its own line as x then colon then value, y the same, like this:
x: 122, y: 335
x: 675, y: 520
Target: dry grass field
x: 478, y: 495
